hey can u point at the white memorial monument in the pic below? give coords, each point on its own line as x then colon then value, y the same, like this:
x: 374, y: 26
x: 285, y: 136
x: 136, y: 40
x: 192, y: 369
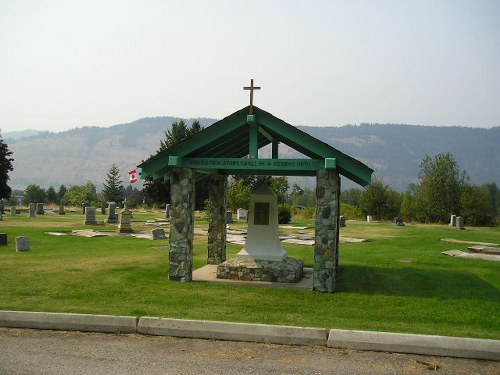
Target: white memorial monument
x: 262, y: 258
x: 263, y: 241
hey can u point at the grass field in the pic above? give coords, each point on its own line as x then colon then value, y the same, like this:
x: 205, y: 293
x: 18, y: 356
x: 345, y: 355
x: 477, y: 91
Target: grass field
x: 397, y: 281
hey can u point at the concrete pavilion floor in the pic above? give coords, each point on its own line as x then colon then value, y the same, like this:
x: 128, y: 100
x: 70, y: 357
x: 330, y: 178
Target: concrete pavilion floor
x: 208, y: 273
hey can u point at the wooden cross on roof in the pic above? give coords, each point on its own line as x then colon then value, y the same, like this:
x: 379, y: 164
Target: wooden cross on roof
x: 251, y: 88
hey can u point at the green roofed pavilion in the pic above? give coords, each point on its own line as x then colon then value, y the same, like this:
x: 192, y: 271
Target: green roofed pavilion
x: 231, y: 147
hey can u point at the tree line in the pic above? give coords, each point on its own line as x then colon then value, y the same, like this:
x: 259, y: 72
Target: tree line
x: 441, y: 190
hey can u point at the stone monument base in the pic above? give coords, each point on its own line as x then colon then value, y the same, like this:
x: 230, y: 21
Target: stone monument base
x: 288, y: 270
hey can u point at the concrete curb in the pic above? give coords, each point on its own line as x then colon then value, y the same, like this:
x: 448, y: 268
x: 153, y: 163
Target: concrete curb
x: 337, y: 338
x: 415, y: 344
x: 232, y: 331
x: 68, y: 322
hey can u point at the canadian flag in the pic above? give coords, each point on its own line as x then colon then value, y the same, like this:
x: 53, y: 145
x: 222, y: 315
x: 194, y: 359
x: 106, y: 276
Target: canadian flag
x: 133, y: 176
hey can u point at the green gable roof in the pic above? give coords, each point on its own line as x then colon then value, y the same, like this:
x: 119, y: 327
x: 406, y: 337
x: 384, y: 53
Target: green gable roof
x: 230, y: 138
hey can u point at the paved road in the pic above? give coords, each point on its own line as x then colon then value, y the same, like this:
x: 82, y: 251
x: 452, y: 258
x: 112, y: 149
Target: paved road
x: 26, y: 351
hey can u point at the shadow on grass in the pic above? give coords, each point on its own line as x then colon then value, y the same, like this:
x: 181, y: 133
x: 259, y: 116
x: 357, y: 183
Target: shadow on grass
x: 414, y: 282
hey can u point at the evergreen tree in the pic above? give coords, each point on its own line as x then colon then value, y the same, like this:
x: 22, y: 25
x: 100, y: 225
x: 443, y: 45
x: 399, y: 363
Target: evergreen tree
x: 439, y: 189
x: 380, y: 200
x: 5, y: 168
x: 113, y: 188
x: 158, y: 191
x: 34, y: 194
x: 178, y: 133
x: 51, y: 195
x: 61, y: 193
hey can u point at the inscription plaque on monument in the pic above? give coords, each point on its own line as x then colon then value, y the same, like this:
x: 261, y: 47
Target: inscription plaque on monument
x: 261, y: 213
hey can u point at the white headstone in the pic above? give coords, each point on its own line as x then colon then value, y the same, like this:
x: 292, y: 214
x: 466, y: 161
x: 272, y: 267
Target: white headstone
x: 242, y: 214
x: 369, y: 218
x: 262, y: 241
x: 453, y: 221
x: 342, y: 221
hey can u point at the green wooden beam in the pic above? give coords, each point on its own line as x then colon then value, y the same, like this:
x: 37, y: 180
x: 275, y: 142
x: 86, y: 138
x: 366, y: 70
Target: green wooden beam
x: 275, y: 150
x: 289, y: 165
x: 253, y: 149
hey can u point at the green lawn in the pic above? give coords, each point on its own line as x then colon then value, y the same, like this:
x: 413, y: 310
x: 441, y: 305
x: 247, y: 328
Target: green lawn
x: 397, y: 281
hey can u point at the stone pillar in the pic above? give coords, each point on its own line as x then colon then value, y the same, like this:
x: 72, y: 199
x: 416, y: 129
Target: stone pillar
x: 13, y: 211
x: 217, y: 185
x: 182, y: 194
x: 327, y: 229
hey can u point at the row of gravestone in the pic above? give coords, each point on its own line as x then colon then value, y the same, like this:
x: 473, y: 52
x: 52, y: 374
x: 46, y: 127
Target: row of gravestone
x: 22, y: 243
x: 90, y: 215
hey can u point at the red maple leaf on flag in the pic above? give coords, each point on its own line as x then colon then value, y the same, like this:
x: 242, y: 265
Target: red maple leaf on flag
x: 133, y: 176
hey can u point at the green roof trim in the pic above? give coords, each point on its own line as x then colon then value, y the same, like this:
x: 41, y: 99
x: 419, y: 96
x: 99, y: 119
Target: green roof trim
x: 239, y: 136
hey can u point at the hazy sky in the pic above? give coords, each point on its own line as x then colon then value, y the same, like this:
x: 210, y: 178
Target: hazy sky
x: 68, y: 63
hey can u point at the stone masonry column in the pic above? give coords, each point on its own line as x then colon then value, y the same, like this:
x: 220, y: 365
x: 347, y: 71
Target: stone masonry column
x: 327, y: 228
x: 217, y: 185
x: 182, y: 194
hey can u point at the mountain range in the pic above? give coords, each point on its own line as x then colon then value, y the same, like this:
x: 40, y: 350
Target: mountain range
x: 394, y: 151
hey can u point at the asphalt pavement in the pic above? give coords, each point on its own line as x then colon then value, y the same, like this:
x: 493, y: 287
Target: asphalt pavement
x: 31, y: 351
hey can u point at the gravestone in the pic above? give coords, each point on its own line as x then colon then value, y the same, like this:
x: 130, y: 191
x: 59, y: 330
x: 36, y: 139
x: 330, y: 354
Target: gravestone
x: 13, y: 211
x: 22, y: 243
x: 90, y: 218
x: 167, y: 211
x: 112, y: 217
x: 2, y: 208
x: 158, y: 234
x: 39, y: 209
x: 3, y: 239
x: 342, y: 221
x: 453, y: 221
x: 460, y: 223
x: 399, y: 221
x: 125, y: 220
x: 262, y: 258
x: 32, y: 210
x: 242, y: 214
x: 369, y: 218
x: 61, y: 210
x: 229, y: 217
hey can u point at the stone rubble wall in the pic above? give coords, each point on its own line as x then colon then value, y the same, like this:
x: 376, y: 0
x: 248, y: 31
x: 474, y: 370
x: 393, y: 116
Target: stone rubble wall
x: 182, y: 190
x: 327, y: 231
x: 217, y: 185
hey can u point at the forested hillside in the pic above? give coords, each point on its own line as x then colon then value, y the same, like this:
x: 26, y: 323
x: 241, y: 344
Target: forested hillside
x: 394, y: 151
